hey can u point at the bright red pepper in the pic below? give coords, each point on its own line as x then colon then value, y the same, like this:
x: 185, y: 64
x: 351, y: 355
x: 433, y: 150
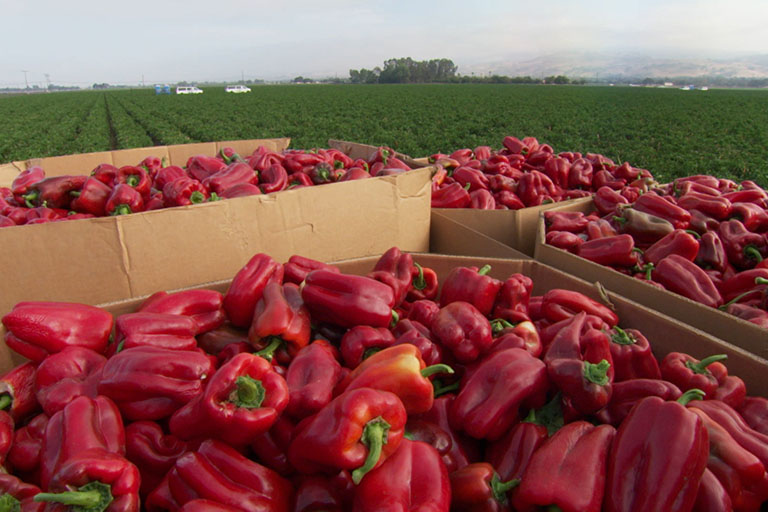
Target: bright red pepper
x: 687, y: 372
x: 674, y: 444
x: 123, y: 200
x: 618, y: 250
x: 512, y: 299
x: 218, y: 472
x: 627, y: 393
x: 91, y: 198
x: 475, y: 179
x: 27, y: 178
x: 717, y: 207
x: 564, y: 240
x: 281, y: 323
x: 150, y: 383
x: 559, y: 304
x: 347, y: 300
x: 424, y: 284
x: 573, y: 222
x: 463, y: 330
x: 744, y: 248
x: 731, y: 390
x: 239, y: 190
x: 162, y: 330
x: 152, y: 451
x: 205, y: 307
x: 473, y: 285
x: 362, y: 341
x: 233, y: 174
x: 394, y: 268
x: 273, y: 179
x: 600, y: 228
x: 412, y: 332
x: 200, y: 167
x: 678, y: 242
x: 242, y: 399
x: 36, y: 329
x: 569, y: 469
x: 684, y: 277
x: 488, y: 403
x: 482, y: 200
x: 658, y: 206
x: 24, y: 456
x: 105, y: 173
x: 18, y: 495
x: 271, y: 447
x: 17, y: 391
x: 412, y: 478
x: 167, y: 175
x: 478, y: 488
x: 579, y: 364
x: 311, y: 379
x: 54, y: 192
x: 451, y: 195
x: 754, y: 217
x: 184, y: 191
x: 136, y: 177
x: 711, y: 253
x: 747, y: 283
x: 247, y: 288
x: 631, y: 355
x: 62, y: 377
x: 523, y: 335
x: 512, y: 454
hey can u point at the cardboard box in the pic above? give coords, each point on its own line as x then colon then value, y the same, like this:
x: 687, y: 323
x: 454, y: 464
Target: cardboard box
x: 355, y: 150
x: 713, y: 321
x: 664, y: 333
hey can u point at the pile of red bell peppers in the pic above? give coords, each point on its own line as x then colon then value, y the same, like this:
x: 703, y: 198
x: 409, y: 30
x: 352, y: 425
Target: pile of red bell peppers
x: 525, y: 173
x: 701, y: 237
x: 303, y: 388
x: 34, y: 198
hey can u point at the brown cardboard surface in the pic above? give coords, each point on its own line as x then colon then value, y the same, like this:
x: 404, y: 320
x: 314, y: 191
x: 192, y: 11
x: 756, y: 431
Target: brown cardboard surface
x: 356, y: 150
x: 111, y: 258
x: 84, y: 163
x: 722, y: 325
x: 664, y: 333
x: 447, y: 236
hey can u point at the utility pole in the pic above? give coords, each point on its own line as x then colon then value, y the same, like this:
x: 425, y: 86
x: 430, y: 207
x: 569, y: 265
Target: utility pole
x: 48, y: 82
x: 242, y: 76
x: 25, y: 77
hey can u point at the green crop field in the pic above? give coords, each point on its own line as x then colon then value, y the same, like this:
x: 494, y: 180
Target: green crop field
x: 668, y: 131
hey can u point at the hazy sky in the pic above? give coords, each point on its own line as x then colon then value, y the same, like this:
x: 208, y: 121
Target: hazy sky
x: 79, y: 42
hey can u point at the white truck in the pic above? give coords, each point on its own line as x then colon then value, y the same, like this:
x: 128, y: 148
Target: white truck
x: 237, y: 89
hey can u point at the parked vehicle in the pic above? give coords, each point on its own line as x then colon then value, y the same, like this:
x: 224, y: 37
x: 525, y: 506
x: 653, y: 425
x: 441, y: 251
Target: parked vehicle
x: 237, y: 88
x: 188, y: 90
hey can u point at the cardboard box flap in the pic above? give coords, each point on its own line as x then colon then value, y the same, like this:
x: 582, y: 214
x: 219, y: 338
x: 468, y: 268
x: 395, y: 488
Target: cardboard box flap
x: 356, y: 150
x: 447, y: 236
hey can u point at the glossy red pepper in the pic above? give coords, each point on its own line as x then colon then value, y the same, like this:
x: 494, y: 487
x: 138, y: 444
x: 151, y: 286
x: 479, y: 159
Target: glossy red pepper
x: 600, y: 228
x: 675, y: 444
x: 512, y: 454
x: 54, y: 192
x: 27, y: 178
x: 205, y: 307
x: 62, y: 377
x: 163, y: 330
x: 754, y: 410
x: 152, y: 451
x: 36, y: 329
x: 412, y: 332
x: 184, y: 191
x: 731, y: 390
x: 424, y: 284
x: 559, y: 304
x: 508, y: 199
x: 627, y: 393
x: 281, y: 323
x: 712, y: 496
x: 247, y: 288
x: 687, y: 372
x: 233, y: 174
x: 347, y: 300
x: 482, y: 199
x: 573, y: 222
x: 607, y: 200
x: 744, y: 248
x: 717, y: 207
x: 618, y: 250
x: 631, y: 355
x: 24, y: 456
x: 167, y: 175
x: 512, y: 299
x: 684, y: 277
x: 218, y: 472
x: 242, y: 399
x: 522, y: 335
x: 472, y: 285
x: 658, y: 206
x: 200, y: 167
x: 136, y: 177
x: 564, y: 240
x: 473, y: 178
x: 488, y: 403
x: 711, y: 253
x: 678, y: 242
x: 123, y: 200
x: 754, y: 217
x: 463, y: 330
x: 745, y: 284
x: 91, y: 198
x: 451, y: 195
x: 18, y: 495
x: 271, y: 447
x: 17, y: 391
x: 311, y: 379
x: 105, y: 173
x: 412, y: 478
x: 150, y: 383
x: 478, y: 488
x: 361, y: 341
x: 395, y: 269
x: 297, y: 267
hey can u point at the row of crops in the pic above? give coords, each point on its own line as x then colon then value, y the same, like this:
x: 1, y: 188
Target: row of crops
x: 669, y: 131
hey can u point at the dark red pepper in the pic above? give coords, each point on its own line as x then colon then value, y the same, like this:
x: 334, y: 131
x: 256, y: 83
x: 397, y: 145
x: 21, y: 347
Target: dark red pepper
x: 687, y: 372
x: 17, y: 391
x: 233, y: 174
x: 92, y: 197
x: 362, y: 341
x: 200, y: 167
x: 658, y: 206
x: 616, y: 250
x: 123, y: 200
x: 564, y: 240
x: 478, y: 488
x: 54, y: 192
x: 684, y: 277
x: 472, y: 285
x: 463, y: 330
x: 281, y: 322
x: 627, y: 393
x: 678, y: 242
x: 136, y: 177
x: 394, y: 268
x: 311, y: 379
x: 711, y: 253
x: 62, y: 377
x: 27, y: 178
x: 451, y: 195
x: 744, y: 248
x: 559, y: 304
x: 184, y: 191
x: 152, y: 451
x: 247, y: 287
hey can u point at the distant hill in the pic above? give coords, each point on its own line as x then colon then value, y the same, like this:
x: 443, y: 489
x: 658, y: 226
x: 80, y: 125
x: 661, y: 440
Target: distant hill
x: 624, y: 65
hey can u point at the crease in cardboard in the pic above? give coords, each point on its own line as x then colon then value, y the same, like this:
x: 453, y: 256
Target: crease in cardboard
x: 125, y: 255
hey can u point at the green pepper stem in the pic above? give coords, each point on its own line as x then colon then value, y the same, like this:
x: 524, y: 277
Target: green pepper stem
x: 197, y: 197
x: 701, y: 366
x: 761, y: 280
x: 693, y: 233
x: 5, y: 401
x: 690, y: 395
x: 75, y: 193
x: 9, y: 504
x: 92, y: 497
x: 597, y: 373
x: 395, y: 319
x: 499, y: 489
x: 132, y: 180
x: 622, y: 337
x: 484, y: 270
x: 419, y: 282
x: 249, y: 393
x: 29, y: 198
x: 499, y: 324
x: 121, y: 209
x: 436, y: 368
x: 268, y: 352
x: 741, y: 296
x: 214, y: 197
x: 620, y: 220
x: 440, y: 390
x: 374, y: 437
x: 753, y: 253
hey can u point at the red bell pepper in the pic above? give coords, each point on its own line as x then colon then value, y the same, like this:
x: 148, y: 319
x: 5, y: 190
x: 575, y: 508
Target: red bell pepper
x: 607, y: 200
x: 748, y: 283
x: 315, y: 493
x: 167, y: 175
x: 451, y: 195
x: 91, y: 198
x: 36, y: 329
x: 204, y: 505
x: 744, y: 248
x: 357, y: 430
x: 618, y: 250
x: 184, y: 191
x: 247, y: 288
x: 218, y: 472
x: 273, y: 179
x: 687, y: 372
x: 482, y: 200
x: 347, y: 300
x: 394, y: 268
x: 150, y: 383
x: 6, y: 435
x: 412, y: 478
x: 263, y: 158
x: 399, y: 370
x: 627, y: 393
x: 298, y: 180
x: 297, y: 267
x: 658, y: 206
x: 27, y: 178
x: 731, y: 390
x: 424, y: 284
x: 478, y: 488
x: 233, y: 174
x: 748, y: 192
x: 463, y: 330
x: 558, y: 170
x: 564, y: 240
x: 242, y: 399
x: 644, y: 227
x: 702, y: 223
x: 678, y: 242
x: 750, y: 314
x: 84, y: 425
x: 17, y: 391
x: 205, y: 307
x: 136, y: 177
x: 43, y: 214
x: 754, y: 410
x: 711, y: 253
x: 523, y: 335
x: 508, y: 199
x: 200, y: 167
x: 512, y: 454
x: 742, y: 473
x: 62, y: 377
x: 488, y: 403
x: 123, y: 200
x: 424, y: 311
x: 24, y: 456
x: 600, y: 228
x: 281, y: 323
x: 674, y: 445
x: 559, y: 304
x: 579, y: 364
x: 712, y: 496
x: 362, y: 341
x: 474, y: 178
x: 684, y: 277
x: 414, y: 333
x: 311, y: 379
x: 17, y: 495
x: 271, y: 447
x: 512, y: 299
x: 162, y: 330
x: 631, y: 355
x: 568, y: 471
x: 239, y: 190
x: 105, y: 173
x: 54, y: 192
x: 754, y: 217
x: 604, y: 178
x: 717, y: 207
x: 152, y: 451
x: 472, y: 285
x: 573, y: 222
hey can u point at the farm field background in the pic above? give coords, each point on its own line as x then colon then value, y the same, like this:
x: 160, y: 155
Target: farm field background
x: 667, y: 131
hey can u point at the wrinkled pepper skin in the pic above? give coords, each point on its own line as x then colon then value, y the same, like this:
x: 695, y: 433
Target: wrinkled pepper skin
x: 627, y: 393
x: 356, y: 431
x: 564, y: 240
x: 744, y: 248
x: 470, y: 284
x: 513, y: 297
x: 657, y: 459
x: 281, y: 322
x: 712, y: 496
x: 653, y: 204
x: 618, y: 250
x: 247, y: 287
x: 361, y: 341
x: 17, y: 495
x: 559, y: 304
x: 124, y: 199
x: 184, y: 191
x: 62, y: 377
x: 569, y: 469
x: 394, y: 268
x: 348, y: 300
x: 153, y: 451
x: 162, y: 330
x: 711, y: 254
x: 478, y: 488
x: 218, y: 472
x: 687, y: 372
x: 233, y: 174
x: 684, y: 277
x: 151, y: 383
x: 644, y: 227
x: 242, y: 399
x: 452, y: 195
x: 53, y: 192
x: 488, y: 403
x: 512, y: 454
x: 678, y: 242
x: 413, y: 478
x: 204, y: 306
x: 17, y: 391
x: 754, y: 410
x: 463, y: 330
x: 24, y: 456
x: 311, y: 379
x: 297, y: 267
x: 36, y: 329
x: 92, y: 198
